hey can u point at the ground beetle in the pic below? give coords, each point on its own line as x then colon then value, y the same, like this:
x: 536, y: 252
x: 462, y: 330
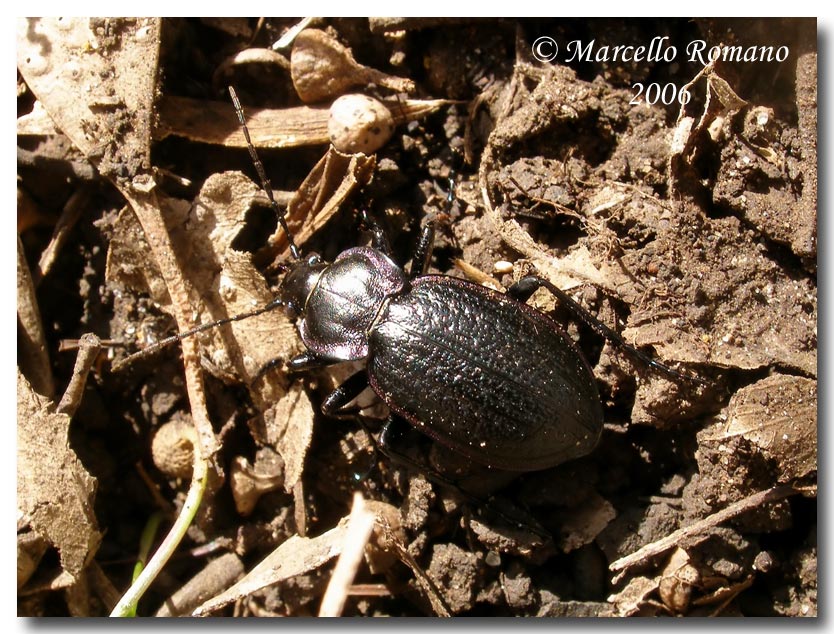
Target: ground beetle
x: 479, y: 371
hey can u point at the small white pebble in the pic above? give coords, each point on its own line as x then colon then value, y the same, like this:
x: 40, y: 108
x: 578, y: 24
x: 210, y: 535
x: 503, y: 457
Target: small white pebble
x: 502, y: 266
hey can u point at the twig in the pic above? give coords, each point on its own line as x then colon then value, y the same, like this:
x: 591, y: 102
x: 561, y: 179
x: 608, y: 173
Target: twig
x: 70, y: 215
x: 734, y: 509
x: 88, y: 349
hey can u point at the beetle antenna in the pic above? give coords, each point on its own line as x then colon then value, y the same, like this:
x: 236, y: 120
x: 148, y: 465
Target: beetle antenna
x: 265, y: 184
x: 145, y: 352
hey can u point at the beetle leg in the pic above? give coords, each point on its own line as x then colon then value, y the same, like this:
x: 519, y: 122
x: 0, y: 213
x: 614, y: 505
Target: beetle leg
x: 526, y: 286
x: 352, y: 387
x: 266, y: 367
x: 393, y: 430
x: 379, y: 240
x: 299, y: 363
x: 308, y: 361
x: 422, y: 252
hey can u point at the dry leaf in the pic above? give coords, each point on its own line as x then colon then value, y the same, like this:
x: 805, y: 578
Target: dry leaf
x: 216, y: 122
x: 294, y: 557
x: 631, y: 599
x: 322, y: 69
x: 294, y: 415
x: 33, y: 355
x: 582, y: 525
x: 53, y: 489
x: 321, y: 194
x: 677, y: 580
x: 127, y: 256
x: 779, y: 416
x: 248, y: 483
x: 718, y: 86
x: 224, y: 281
x: 96, y: 77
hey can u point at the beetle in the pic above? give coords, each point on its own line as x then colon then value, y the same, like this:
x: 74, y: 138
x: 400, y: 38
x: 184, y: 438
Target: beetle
x: 481, y: 372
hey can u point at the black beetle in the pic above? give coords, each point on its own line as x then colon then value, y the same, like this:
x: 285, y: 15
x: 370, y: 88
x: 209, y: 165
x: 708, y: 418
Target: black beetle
x: 479, y: 371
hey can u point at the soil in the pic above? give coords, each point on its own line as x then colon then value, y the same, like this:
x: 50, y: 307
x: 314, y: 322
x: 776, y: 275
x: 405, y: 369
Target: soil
x: 690, y: 230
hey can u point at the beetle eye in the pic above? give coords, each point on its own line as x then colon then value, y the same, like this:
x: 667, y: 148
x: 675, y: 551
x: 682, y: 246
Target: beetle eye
x: 313, y: 259
x: 291, y: 310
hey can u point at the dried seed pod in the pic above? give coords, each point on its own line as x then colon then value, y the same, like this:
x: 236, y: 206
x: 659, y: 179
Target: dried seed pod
x: 322, y: 68
x: 359, y: 124
x: 173, y: 448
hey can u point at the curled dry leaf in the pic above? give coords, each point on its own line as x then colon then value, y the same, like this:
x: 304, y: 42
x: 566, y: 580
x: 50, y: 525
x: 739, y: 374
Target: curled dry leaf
x: 53, y: 489
x: 322, y: 69
x: 320, y: 196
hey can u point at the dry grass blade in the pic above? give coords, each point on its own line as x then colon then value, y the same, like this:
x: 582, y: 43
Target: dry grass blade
x: 360, y: 526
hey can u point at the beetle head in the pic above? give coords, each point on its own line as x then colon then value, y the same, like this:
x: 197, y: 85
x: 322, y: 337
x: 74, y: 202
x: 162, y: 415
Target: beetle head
x: 299, y: 282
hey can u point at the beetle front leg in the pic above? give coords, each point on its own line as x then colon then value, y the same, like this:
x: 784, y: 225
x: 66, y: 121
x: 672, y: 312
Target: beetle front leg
x: 379, y: 240
x: 422, y: 252
x: 352, y: 387
x: 299, y: 363
x: 308, y: 361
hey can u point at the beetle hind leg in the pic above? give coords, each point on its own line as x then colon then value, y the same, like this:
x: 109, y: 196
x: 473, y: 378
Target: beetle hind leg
x: 526, y: 286
x: 393, y: 432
